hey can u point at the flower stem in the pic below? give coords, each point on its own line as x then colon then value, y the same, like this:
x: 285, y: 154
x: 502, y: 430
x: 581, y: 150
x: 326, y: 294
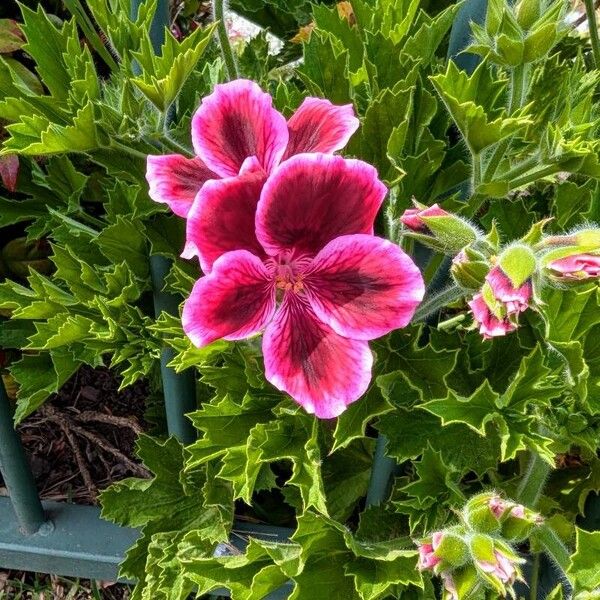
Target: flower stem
x: 553, y: 546
x: 532, y: 485
x: 532, y: 176
x: 593, y: 25
x: 518, y: 88
x: 436, y: 302
x: 476, y: 171
x: 226, y: 49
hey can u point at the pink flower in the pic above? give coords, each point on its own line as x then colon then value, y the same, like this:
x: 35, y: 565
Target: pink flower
x: 578, y: 266
x: 497, y: 506
x: 235, y: 123
x: 499, y: 303
x: 427, y: 558
x: 412, y: 216
x: 302, y: 264
x: 502, y: 568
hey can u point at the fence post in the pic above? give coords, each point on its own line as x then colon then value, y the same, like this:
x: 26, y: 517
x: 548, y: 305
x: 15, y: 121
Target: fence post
x: 460, y: 37
x: 179, y: 389
x: 17, y: 473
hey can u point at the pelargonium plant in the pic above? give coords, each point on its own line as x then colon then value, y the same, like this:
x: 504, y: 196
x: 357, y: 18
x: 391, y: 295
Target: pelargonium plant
x: 366, y: 264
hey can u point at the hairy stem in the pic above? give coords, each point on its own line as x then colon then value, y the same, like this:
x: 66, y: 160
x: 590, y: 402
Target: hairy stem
x: 518, y: 89
x: 434, y: 303
x: 532, y: 485
x: 553, y: 546
x: 590, y: 10
x: 532, y: 176
x: 476, y: 180
x: 226, y: 49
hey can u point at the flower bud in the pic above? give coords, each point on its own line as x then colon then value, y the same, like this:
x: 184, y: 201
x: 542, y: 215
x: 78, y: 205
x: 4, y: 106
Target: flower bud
x: 519, y: 522
x: 527, y: 12
x: 412, y: 217
x: 452, y: 550
x: 427, y: 557
x: 518, y: 263
x: 468, y: 269
x: 576, y: 267
x: 496, y: 308
x: 588, y: 239
x: 448, y: 231
x: 483, y: 512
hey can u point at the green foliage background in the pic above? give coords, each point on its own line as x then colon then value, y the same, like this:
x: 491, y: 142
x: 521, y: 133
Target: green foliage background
x: 459, y: 414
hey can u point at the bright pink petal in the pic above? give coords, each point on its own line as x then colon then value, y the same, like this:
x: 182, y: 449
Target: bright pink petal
x: 505, y: 291
x: 578, y: 266
x: 235, y: 301
x: 222, y: 219
x: 175, y: 180
x: 237, y: 121
x: 319, y: 369
x: 489, y: 325
x: 363, y: 286
x: 312, y: 199
x: 320, y: 126
x: 412, y: 217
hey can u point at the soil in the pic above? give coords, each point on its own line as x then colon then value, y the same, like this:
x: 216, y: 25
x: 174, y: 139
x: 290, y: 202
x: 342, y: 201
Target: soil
x: 79, y: 442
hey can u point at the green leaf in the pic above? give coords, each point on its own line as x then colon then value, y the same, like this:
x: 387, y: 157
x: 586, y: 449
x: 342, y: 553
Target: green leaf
x: 325, y: 68
x: 164, y: 75
x: 583, y: 570
x: 169, y: 503
x: 38, y: 376
x: 471, y: 100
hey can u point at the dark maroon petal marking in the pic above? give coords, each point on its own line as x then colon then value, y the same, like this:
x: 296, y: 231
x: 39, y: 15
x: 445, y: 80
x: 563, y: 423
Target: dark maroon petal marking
x: 319, y: 369
x: 313, y: 198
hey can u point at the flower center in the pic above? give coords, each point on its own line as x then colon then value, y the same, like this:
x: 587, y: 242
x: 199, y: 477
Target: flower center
x: 288, y: 271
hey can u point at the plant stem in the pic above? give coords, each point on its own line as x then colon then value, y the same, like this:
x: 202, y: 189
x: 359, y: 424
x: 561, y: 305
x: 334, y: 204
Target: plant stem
x: 522, y: 167
x: 518, y: 87
x: 553, y: 546
x: 226, y: 49
x: 436, y: 302
x: 593, y: 26
x: 532, y: 485
x: 533, y: 176
x: 168, y: 142
x: 476, y: 171
x: 123, y: 148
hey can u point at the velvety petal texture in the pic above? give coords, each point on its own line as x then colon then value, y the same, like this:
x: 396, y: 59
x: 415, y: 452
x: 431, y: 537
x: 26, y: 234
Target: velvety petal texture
x: 222, y: 219
x: 320, y: 126
x: 237, y: 121
x: 313, y: 198
x: 489, y: 325
x: 304, y: 357
x: 235, y: 301
x: 363, y: 286
x: 175, y: 180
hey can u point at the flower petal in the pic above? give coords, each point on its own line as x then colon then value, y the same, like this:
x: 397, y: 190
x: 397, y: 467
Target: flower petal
x: 363, y: 286
x: 319, y: 369
x: 175, y: 180
x: 237, y: 121
x: 222, y: 219
x: 313, y: 198
x: 320, y: 126
x: 235, y: 301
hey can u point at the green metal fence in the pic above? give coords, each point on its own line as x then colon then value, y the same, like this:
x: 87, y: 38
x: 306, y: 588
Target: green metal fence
x: 72, y: 540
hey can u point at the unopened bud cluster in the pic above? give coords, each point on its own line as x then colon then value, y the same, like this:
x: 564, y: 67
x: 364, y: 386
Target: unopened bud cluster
x: 504, y: 281
x: 477, y: 554
x: 519, y: 33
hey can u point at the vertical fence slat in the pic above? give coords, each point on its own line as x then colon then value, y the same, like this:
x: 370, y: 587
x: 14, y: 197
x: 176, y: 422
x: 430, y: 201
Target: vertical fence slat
x: 179, y: 389
x: 16, y: 471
